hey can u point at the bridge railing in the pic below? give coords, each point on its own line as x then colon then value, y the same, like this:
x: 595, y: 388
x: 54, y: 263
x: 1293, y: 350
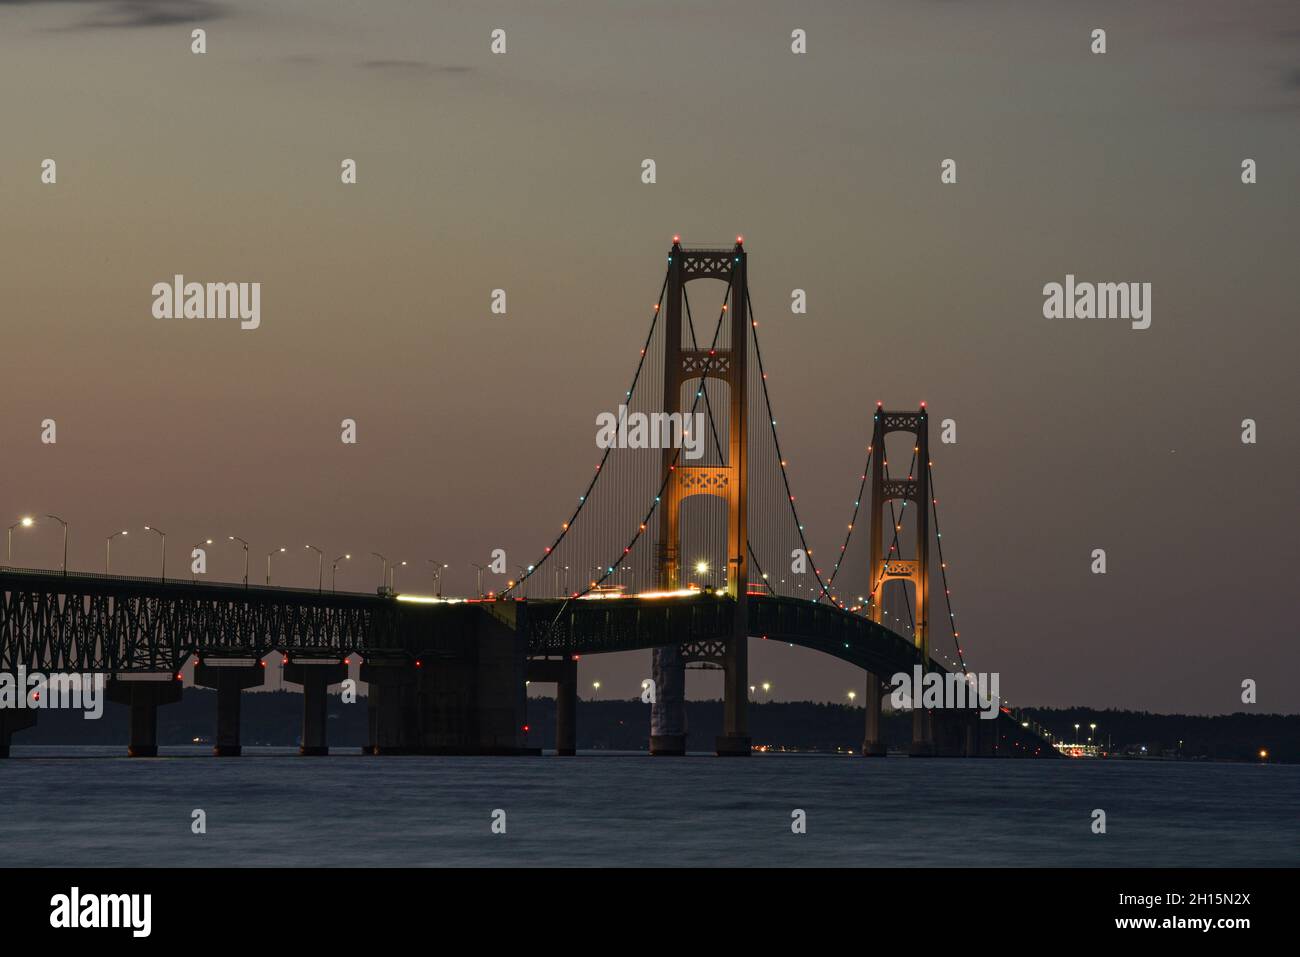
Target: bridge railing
x: 175, y: 581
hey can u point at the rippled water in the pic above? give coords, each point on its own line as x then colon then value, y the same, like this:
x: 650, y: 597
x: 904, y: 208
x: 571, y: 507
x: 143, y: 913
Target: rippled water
x: 91, y: 807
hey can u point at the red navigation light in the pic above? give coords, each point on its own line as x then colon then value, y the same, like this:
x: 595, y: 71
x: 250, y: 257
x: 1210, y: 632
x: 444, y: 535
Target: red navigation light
x: 676, y: 239
x: 525, y: 729
x: 418, y: 663
x: 740, y: 240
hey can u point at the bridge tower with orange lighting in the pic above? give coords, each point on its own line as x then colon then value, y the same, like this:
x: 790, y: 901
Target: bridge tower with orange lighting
x: 887, y: 566
x: 729, y: 481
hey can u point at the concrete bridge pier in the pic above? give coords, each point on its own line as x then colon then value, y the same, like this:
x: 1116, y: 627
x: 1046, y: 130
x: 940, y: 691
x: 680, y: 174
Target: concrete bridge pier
x: 315, y: 678
x: 564, y: 673
x: 950, y: 729
x: 228, y: 679
x: 392, y: 707
x: 873, y: 740
x: 12, y: 720
x: 668, y: 708
x: 566, y: 709
x: 981, y: 736
x: 922, y: 734
x: 735, y: 740
x: 143, y: 694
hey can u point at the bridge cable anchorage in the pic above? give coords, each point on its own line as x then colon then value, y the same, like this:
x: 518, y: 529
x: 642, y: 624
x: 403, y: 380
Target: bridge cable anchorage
x: 586, y: 496
x: 771, y: 418
x: 943, y: 571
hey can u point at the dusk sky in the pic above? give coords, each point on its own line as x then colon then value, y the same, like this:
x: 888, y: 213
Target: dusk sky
x: 522, y: 171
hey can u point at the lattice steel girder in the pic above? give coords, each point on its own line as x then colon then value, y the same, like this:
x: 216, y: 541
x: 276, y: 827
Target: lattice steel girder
x: 707, y: 263
x: 77, y: 622
x: 900, y: 488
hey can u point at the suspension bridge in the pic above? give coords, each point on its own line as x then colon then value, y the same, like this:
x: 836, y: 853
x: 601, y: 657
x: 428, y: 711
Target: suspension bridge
x: 659, y: 552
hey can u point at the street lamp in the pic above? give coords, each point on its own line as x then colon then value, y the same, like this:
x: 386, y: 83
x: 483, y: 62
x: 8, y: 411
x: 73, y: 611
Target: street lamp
x: 853, y: 696
x: 437, y: 575
x: 383, y: 569
x: 767, y: 688
x: 334, y: 569
x: 1093, y: 729
x: 163, y: 535
x: 65, y: 541
x: 25, y: 522
x: 320, y: 568
x: 595, y: 685
x: 268, y: 564
x: 1076, y: 735
x: 481, y: 570
x: 108, y: 548
x: 236, y: 538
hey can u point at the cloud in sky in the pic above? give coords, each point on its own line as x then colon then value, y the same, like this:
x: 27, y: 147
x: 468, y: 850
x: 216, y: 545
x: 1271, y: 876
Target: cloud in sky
x: 113, y: 14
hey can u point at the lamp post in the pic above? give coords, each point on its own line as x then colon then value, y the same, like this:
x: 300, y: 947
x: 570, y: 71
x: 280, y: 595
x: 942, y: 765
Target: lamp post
x: 392, y: 576
x: 25, y: 522
x: 334, y: 569
x: 64, y: 569
x: 320, y: 568
x: 236, y: 538
x: 437, y: 575
x: 383, y: 569
x: 1076, y: 735
x: 268, y: 564
x: 163, y: 535
x: 595, y: 687
x: 481, y: 570
x: 108, y: 548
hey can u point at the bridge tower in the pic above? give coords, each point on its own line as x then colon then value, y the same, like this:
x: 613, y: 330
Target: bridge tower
x: 729, y: 482
x: 883, y: 569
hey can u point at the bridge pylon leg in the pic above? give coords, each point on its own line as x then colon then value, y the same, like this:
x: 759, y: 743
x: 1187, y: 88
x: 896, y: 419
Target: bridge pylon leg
x: 873, y: 740
x: 735, y: 740
x: 972, y: 735
x: 11, y: 720
x: 668, y: 708
x: 143, y: 697
x: 315, y: 678
x: 228, y: 680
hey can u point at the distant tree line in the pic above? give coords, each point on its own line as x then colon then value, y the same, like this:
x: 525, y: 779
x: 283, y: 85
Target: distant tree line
x: 275, y: 719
